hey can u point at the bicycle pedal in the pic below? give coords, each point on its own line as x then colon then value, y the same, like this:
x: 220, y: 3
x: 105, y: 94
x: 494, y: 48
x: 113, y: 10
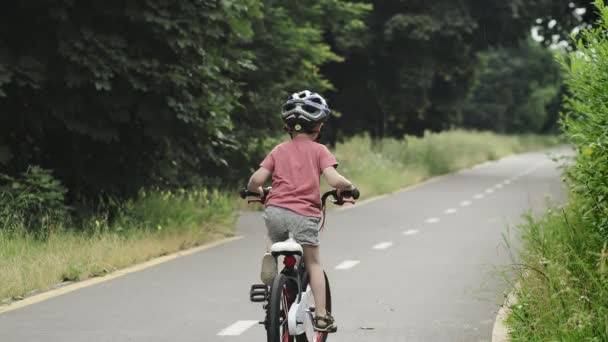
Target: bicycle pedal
x: 258, y: 293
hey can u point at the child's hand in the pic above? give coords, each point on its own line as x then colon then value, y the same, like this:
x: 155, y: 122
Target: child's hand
x: 339, y: 191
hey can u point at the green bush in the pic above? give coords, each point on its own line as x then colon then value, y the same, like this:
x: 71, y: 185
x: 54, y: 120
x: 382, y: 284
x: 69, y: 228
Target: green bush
x: 586, y: 122
x: 32, y: 202
x: 565, y: 295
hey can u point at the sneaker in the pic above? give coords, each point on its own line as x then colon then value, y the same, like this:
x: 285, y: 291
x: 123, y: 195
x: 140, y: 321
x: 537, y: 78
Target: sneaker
x: 325, y: 323
x: 269, y: 269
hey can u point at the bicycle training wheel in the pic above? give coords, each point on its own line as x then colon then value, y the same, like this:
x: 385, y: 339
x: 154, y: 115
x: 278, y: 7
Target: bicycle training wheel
x: 317, y: 336
x: 282, y: 295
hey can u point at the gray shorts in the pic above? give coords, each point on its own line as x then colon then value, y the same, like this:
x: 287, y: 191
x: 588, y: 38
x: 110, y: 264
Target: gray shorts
x: 280, y: 222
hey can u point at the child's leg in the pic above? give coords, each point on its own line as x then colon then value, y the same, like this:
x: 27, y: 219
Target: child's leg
x: 317, y: 279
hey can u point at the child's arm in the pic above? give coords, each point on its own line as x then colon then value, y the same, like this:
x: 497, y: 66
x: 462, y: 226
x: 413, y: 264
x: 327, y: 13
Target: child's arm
x: 336, y: 180
x: 257, y: 180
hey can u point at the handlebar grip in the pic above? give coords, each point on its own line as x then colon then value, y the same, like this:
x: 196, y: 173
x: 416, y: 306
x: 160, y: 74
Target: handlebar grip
x: 354, y: 193
x: 246, y: 193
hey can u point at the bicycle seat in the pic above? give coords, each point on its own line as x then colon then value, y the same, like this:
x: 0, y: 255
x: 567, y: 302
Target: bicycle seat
x: 287, y: 247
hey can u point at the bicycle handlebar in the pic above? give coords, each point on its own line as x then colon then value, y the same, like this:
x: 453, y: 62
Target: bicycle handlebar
x: 338, y: 200
x: 246, y: 193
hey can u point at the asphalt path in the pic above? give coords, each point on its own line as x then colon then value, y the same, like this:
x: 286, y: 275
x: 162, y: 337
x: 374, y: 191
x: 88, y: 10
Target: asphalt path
x: 424, y: 264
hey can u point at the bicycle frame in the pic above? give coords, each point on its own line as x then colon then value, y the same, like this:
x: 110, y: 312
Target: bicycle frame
x: 297, y: 327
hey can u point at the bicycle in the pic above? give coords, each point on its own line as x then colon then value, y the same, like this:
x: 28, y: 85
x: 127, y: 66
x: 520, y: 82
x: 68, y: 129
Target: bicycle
x: 289, y: 302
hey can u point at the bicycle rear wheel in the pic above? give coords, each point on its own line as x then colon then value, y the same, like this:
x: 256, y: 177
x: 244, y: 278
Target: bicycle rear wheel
x: 318, y: 336
x: 282, y: 295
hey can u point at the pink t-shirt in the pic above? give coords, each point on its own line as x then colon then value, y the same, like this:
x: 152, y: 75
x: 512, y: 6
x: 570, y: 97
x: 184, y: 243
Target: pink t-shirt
x: 296, y: 168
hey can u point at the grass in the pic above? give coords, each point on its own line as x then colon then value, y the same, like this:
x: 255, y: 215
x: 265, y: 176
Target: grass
x: 155, y: 224
x: 390, y: 164
x: 565, y: 295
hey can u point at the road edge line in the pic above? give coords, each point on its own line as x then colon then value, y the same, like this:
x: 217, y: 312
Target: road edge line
x: 431, y: 180
x: 37, y: 298
x: 500, y: 331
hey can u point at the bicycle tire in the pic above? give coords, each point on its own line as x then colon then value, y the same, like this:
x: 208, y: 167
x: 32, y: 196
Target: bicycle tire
x: 321, y: 337
x: 276, y: 325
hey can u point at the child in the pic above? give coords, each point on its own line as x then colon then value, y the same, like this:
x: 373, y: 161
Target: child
x: 294, y: 204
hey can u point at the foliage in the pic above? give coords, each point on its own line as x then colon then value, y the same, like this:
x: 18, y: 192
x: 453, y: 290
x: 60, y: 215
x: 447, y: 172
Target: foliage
x: 389, y: 164
x: 516, y: 90
x: 114, y: 97
x: 561, y: 18
x: 418, y: 64
x: 288, y: 50
x: 155, y: 224
x: 565, y: 296
x: 585, y: 123
x: 33, y: 202
x: 565, y: 293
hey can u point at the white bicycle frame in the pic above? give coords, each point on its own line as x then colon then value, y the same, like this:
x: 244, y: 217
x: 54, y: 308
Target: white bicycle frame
x: 300, y: 317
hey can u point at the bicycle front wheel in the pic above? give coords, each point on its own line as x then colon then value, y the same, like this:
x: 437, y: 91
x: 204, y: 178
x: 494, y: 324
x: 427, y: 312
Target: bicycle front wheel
x: 282, y: 295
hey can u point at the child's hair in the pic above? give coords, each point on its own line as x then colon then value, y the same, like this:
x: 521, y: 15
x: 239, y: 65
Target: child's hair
x: 303, y: 112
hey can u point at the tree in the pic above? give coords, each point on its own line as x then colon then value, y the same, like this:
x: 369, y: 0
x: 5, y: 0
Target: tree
x: 418, y: 62
x: 515, y: 90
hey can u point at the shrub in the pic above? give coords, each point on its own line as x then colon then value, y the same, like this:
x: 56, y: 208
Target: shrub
x: 585, y: 123
x: 32, y: 202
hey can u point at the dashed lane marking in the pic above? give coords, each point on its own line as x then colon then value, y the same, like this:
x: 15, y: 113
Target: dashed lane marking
x: 383, y: 245
x: 344, y: 265
x: 450, y: 211
x: 432, y: 220
x: 411, y: 232
x: 465, y: 203
x: 478, y: 196
x: 498, y: 186
x: 489, y: 191
x: 237, y: 328
x: 506, y: 182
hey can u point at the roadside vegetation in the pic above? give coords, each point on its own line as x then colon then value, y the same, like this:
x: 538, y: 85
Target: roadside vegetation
x: 40, y: 247
x: 564, y: 296
x: 390, y: 164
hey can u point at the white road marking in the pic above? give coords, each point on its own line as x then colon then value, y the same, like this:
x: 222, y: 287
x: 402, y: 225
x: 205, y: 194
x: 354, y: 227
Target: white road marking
x: 411, y: 232
x: 383, y: 245
x: 489, y: 191
x: 237, y: 328
x: 506, y: 182
x: 465, y: 203
x: 498, y: 186
x: 478, y: 196
x: 347, y: 264
x: 450, y: 211
x: 432, y: 220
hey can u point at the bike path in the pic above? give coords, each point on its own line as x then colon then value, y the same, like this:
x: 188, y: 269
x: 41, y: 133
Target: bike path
x: 433, y: 276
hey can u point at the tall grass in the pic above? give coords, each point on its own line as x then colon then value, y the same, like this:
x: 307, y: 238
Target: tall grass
x: 387, y: 165
x: 564, y: 296
x: 157, y: 223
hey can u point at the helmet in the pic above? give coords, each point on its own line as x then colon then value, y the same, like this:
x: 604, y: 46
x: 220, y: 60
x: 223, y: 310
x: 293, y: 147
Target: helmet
x: 304, y: 110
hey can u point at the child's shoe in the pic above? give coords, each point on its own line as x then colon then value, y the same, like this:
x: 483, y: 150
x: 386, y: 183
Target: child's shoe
x: 269, y: 269
x: 325, y: 323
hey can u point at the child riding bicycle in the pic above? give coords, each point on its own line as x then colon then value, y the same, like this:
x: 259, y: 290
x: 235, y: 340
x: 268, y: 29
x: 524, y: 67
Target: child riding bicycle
x: 293, y: 205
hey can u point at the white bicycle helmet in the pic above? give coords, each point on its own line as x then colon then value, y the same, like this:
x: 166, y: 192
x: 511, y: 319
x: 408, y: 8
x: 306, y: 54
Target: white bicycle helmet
x: 304, y: 110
